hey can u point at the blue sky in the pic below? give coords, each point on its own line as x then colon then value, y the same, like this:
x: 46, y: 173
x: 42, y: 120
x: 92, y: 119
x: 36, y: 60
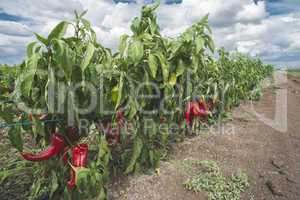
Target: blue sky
x: 269, y: 29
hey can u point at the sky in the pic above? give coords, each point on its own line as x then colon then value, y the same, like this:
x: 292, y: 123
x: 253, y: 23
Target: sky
x: 267, y: 29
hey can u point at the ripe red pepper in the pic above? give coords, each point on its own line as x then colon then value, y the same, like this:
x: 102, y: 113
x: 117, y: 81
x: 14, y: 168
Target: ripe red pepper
x: 65, y: 155
x: 195, y: 109
x: 79, y: 159
x: 113, y: 133
x: 57, y: 146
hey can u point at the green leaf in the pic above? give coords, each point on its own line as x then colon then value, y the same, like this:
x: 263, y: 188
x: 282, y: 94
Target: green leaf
x: 102, y: 194
x: 123, y: 44
x: 83, y: 13
x: 54, y: 184
x: 59, y: 31
x: 175, y: 47
x: 15, y: 137
x: 136, y: 152
x: 88, y: 56
x: 180, y: 68
x: 151, y: 157
x: 64, y: 57
x: 28, y: 76
x: 114, y: 94
x: 173, y: 79
x: 103, y: 150
x: 211, y: 44
x: 4, y: 175
x: 42, y: 39
x: 204, y: 19
x: 30, y: 47
x: 153, y: 65
x: 50, y: 87
x: 120, y: 89
x: 136, y: 51
x: 135, y: 26
x: 82, y: 175
x: 164, y: 66
x: 133, y: 109
x: 38, y: 129
x: 6, y: 114
x: 199, y: 44
x: 188, y: 36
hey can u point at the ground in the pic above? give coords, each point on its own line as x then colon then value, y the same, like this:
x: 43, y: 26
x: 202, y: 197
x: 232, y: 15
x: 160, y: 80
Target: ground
x: 269, y: 157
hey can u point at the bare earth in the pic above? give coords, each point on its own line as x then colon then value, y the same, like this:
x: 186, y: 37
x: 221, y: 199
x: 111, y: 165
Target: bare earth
x: 270, y: 158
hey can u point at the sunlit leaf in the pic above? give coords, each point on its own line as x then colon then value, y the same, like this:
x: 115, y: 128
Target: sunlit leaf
x: 88, y: 56
x: 59, y: 31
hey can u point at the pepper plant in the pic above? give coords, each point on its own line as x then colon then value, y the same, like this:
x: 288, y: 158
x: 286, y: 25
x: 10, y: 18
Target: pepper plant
x: 66, y: 79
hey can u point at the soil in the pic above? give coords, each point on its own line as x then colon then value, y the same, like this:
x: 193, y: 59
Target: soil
x: 269, y: 157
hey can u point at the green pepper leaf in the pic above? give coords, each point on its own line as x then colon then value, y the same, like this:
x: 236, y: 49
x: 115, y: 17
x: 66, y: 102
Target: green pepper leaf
x: 42, y: 39
x: 137, y: 150
x: 120, y: 90
x: 199, y: 44
x: 152, y: 60
x: 88, y: 56
x: 173, y: 79
x: 54, y: 184
x: 15, y: 137
x: 58, y: 31
x: 30, y: 71
x: 64, y: 56
x: 164, y: 66
x: 30, y: 49
x: 136, y: 51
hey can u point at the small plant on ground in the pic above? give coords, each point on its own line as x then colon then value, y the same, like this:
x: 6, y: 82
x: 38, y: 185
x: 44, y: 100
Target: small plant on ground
x: 209, y: 178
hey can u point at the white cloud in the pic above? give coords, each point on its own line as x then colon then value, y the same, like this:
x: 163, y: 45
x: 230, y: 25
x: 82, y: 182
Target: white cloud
x: 252, y: 12
x: 14, y: 28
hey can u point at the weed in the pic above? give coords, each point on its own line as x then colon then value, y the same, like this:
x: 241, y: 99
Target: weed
x: 211, y: 180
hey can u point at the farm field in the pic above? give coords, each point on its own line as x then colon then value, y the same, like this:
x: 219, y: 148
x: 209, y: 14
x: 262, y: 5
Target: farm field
x: 295, y: 72
x: 267, y: 156
x: 158, y: 117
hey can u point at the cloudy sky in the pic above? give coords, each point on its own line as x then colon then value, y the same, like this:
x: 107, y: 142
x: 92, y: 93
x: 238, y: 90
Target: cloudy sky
x: 269, y: 29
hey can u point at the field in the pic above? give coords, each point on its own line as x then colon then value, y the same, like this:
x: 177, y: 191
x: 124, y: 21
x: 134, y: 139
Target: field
x: 161, y: 118
x: 295, y: 72
x: 268, y: 157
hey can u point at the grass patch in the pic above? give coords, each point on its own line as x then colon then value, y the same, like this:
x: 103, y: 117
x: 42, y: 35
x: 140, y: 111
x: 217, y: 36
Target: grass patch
x: 295, y: 72
x: 206, y: 176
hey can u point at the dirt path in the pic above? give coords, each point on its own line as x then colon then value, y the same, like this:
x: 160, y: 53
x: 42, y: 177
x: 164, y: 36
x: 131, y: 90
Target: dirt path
x: 269, y: 157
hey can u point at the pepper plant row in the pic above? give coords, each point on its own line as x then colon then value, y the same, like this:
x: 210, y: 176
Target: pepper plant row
x: 151, y: 79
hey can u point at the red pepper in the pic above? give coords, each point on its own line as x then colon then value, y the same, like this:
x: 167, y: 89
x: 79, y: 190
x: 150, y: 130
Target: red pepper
x: 113, y: 133
x: 57, y: 146
x: 65, y: 155
x: 195, y: 109
x: 79, y: 159
x: 199, y: 109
